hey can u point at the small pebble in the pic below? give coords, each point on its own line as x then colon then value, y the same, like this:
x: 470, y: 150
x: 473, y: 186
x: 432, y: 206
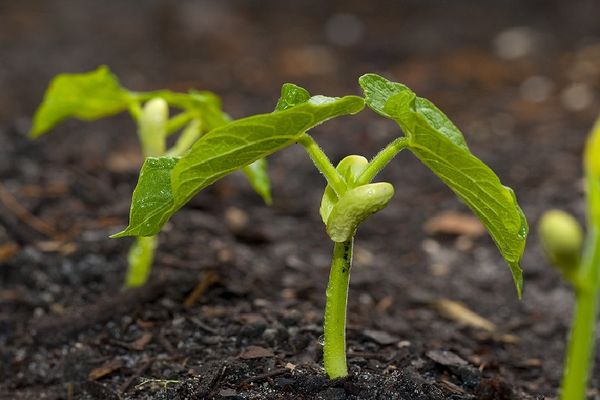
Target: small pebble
x: 514, y: 43
x: 577, y: 97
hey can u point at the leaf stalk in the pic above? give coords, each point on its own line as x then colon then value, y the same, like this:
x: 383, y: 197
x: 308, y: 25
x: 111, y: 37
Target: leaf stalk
x: 321, y: 161
x: 382, y: 159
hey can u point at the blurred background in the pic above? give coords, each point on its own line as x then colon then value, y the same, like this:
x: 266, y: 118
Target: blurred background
x: 521, y: 79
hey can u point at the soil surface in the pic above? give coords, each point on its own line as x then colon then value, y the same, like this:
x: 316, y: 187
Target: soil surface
x: 433, y: 313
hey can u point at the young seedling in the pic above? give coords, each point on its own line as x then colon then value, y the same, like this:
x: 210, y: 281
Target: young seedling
x: 167, y: 183
x: 93, y: 95
x: 578, y: 260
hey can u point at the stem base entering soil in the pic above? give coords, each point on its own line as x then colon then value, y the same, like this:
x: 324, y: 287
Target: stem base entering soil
x: 580, y: 352
x: 334, y: 348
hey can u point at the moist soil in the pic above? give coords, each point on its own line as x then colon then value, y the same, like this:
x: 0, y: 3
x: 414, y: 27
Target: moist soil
x: 234, y: 305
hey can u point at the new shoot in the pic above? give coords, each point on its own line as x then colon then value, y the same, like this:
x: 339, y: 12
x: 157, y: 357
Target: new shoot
x: 578, y: 260
x: 97, y: 94
x: 350, y: 195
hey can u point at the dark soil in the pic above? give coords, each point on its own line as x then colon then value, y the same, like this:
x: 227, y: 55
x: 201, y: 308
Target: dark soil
x: 68, y: 330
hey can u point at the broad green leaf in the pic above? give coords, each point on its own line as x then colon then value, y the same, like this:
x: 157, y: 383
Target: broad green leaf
x: 441, y: 146
x: 152, y: 196
x: 224, y: 150
x: 86, y: 96
x: 257, y: 172
x: 205, y: 107
x: 244, y: 141
x: 258, y: 176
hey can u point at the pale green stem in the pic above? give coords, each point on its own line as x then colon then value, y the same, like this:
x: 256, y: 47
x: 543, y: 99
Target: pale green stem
x: 580, y: 352
x: 321, y: 161
x: 178, y: 121
x: 581, y: 348
x: 135, y: 110
x: 189, y: 135
x: 334, y: 347
x: 381, y: 160
x: 152, y: 127
x: 140, y: 258
x: 152, y: 134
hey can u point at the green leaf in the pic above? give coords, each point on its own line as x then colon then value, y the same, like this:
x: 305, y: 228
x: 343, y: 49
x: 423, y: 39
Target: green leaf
x: 152, y: 196
x: 258, y: 176
x: 225, y: 150
x: 442, y: 148
x: 257, y: 172
x: 86, y: 96
x: 291, y: 95
x: 206, y: 108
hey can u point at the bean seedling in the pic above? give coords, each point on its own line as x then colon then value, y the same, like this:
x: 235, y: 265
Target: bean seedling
x: 578, y: 260
x: 167, y: 183
x: 93, y: 95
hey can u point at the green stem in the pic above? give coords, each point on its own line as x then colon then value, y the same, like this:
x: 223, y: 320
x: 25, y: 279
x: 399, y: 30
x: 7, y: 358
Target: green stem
x: 140, y: 257
x: 381, y: 160
x: 321, y: 161
x: 334, y: 348
x: 178, y: 121
x: 135, y: 110
x: 580, y: 351
x: 186, y: 139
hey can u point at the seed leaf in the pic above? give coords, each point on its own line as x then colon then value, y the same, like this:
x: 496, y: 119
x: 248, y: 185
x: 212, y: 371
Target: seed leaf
x: 86, y: 96
x: 354, y: 207
x: 350, y: 167
x: 442, y: 148
x: 222, y: 151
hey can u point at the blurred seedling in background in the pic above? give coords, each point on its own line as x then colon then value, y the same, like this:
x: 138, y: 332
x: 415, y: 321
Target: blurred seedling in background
x: 167, y: 183
x: 97, y: 94
x: 578, y: 260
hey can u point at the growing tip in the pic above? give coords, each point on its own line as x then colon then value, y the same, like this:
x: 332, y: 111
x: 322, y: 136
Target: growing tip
x: 517, y: 274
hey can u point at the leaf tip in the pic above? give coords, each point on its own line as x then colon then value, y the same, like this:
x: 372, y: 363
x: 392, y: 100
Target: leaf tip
x: 34, y: 133
x: 123, y: 233
x: 291, y: 95
x: 365, y: 78
x: 267, y: 198
x: 517, y: 274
